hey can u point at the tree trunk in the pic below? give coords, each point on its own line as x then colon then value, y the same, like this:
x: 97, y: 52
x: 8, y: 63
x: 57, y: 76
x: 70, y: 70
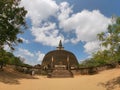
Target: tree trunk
x: 1, y: 67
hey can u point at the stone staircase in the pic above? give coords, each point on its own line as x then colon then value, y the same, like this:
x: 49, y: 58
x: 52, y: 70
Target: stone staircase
x: 60, y: 74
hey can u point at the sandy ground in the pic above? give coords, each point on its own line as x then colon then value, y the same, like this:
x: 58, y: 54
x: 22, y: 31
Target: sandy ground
x: 105, y: 80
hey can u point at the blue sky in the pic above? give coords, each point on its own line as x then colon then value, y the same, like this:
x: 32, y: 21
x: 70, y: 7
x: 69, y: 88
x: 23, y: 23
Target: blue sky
x: 75, y: 22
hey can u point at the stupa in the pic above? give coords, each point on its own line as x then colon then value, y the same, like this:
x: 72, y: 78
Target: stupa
x: 60, y: 59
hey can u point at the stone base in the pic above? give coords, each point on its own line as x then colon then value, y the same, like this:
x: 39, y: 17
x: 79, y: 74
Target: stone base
x: 60, y: 74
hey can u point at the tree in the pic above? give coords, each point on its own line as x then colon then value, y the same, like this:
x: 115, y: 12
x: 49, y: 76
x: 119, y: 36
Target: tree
x: 101, y: 36
x: 111, y: 39
x: 2, y: 58
x: 12, y: 22
x: 9, y: 58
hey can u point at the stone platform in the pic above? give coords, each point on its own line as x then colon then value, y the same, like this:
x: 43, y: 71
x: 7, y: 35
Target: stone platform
x: 59, y: 73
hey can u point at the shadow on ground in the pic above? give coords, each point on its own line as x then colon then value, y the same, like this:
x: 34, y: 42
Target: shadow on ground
x: 111, y: 84
x: 8, y: 77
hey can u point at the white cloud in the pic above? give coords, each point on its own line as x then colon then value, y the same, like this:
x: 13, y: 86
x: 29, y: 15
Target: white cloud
x: 92, y: 47
x: 24, y: 52
x: 40, y: 56
x: 31, y: 58
x: 47, y: 34
x: 39, y: 10
x: 86, y: 25
x: 65, y: 11
x: 43, y: 30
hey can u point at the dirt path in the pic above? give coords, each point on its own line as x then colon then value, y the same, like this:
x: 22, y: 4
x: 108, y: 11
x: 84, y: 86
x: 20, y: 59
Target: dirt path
x: 106, y: 80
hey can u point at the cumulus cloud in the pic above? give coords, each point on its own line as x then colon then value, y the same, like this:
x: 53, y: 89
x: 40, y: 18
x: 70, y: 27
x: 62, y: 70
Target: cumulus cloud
x: 47, y: 34
x: 39, y: 10
x: 84, y: 24
x: 29, y: 57
x: 92, y: 47
x: 40, y: 56
x: 64, y: 12
x: 43, y: 30
x: 24, y: 52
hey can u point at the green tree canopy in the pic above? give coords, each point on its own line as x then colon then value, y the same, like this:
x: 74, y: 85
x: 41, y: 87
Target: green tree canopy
x: 9, y: 58
x: 110, y: 40
x: 12, y: 22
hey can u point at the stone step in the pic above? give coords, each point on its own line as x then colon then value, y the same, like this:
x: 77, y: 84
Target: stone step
x: 61, y: 73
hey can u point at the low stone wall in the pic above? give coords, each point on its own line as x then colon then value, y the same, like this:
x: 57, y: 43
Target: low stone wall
x: 93, y: 70
x: 85, y: 71
x: 75, y: 72
x: 78, y: 71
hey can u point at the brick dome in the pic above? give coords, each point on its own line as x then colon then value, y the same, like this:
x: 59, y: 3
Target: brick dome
x: 60, y: 57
